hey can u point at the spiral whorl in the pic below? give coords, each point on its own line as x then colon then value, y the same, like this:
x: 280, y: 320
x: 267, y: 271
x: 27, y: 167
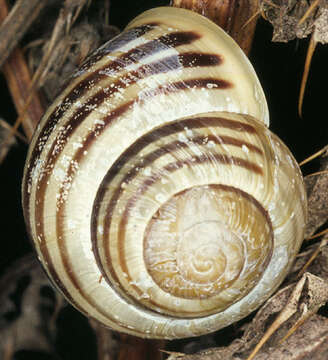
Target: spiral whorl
x: 158, y: 201
x: 174, y: 216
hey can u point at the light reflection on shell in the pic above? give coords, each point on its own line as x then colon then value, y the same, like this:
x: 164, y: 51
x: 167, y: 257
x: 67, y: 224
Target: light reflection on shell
x: 159, y: 205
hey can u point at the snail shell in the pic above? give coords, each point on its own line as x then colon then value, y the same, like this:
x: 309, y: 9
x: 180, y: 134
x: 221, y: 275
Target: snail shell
x: 158, y: 201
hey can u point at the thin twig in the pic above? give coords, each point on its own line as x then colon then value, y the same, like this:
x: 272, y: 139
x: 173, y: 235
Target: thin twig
x: 17, y: 23
x: 311, y: 48
x: 18, y: 79
x: 254, y: 16
x: 315, y: 155
x: 308, y: 11
x: 322, y: 172
x: 283, y: 316
x: 323, y: 232
x: 315, y: 253
x: 20, y: 136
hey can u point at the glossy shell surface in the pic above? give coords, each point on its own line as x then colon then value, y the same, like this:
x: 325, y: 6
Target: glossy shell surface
x: 158, y: 201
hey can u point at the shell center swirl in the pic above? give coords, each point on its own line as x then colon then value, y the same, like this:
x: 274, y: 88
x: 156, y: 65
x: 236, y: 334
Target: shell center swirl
x: 192, y: 249
x: 201, y: 253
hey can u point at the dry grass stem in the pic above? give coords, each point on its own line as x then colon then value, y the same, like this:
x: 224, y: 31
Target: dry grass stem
x: 309, y: 11
x: 323, y: 243
x: 311, y: 48
x: 318, y: 234
x: 322, y: 172
x: 289, y: 310
x: 314, y: 156
x: 18, y: 79
x: 16, y: 23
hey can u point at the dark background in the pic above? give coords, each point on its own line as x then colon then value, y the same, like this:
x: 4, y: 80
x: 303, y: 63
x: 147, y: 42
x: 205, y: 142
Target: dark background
x: 279, y: 67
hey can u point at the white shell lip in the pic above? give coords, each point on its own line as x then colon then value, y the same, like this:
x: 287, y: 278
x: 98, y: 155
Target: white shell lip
x: 186, y: 19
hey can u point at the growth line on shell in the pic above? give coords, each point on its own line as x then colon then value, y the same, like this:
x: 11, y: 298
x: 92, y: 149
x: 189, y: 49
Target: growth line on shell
x: 161, y: 133
x: 63, y: 202
x: 155, y: 45
x: 79, y: 89
x: 43, y: 183
x: 92, y: 103
x: 149, y: 181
